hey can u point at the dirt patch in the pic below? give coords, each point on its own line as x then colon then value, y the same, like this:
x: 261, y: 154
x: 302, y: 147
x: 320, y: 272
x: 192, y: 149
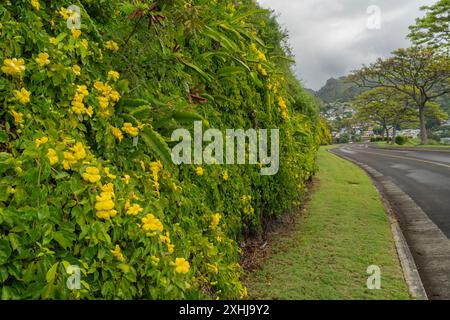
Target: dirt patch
x: 256, y: 249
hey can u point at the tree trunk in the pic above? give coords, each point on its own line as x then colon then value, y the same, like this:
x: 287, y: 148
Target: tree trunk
x: 387, y: 135
x: 394, y: 134
x: 423, y: 126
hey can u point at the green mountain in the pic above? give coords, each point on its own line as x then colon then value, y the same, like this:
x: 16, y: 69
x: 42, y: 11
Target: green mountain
x: 338, y: 90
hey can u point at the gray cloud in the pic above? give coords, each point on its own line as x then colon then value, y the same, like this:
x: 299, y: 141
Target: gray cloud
x: 330, y: 37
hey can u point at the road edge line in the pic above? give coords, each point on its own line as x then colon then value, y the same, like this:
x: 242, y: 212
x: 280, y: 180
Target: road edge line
x: 409, y: 267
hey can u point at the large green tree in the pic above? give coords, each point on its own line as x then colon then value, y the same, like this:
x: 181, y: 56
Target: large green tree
x: 433, y: 29
x: 421, y: 74
x: 385, y: 107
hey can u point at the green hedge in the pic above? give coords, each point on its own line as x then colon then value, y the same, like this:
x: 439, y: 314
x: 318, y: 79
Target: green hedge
x: 85, y: 123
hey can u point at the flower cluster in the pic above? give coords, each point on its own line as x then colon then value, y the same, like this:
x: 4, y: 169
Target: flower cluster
x: 215, y: 220
x: 283, y: 108
x: 155, y: 168
x: 151, y: 224
x: 104, y: 204
x: 107, y: 98
x: 76, y: 153
x: 117, y: 133
x: 78, y: 106
x: 132, y: 131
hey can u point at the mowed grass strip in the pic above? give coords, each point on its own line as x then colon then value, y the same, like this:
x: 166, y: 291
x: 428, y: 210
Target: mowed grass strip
x: 343, y: 231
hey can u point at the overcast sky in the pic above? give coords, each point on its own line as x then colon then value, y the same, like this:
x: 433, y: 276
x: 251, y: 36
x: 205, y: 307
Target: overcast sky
x: 331, y: 37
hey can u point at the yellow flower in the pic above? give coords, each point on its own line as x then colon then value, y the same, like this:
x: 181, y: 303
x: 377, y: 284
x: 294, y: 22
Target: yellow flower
x: 85, y: 43
x: 79, y: 152
x: 151, y: 224
x: 199, y: 171
x: 128, y: 128
x: 63, y: 13
x: 76, y: 69
x: 126, y: 179
x: 111, y: 45
x: 134, y: 210
x: 18, y: 117
x: 117, y: 133
x: 40, y: 141
x: 117, y: 253
x: 261, y: 56
x: 113, y: 75
x: 215, y: 220
x: 108, y: 174
x: 54, y: 41
x: 92, y: 175
x: 89, y: 111
x: 69, y: 160
x: 282, y: 103
x: 170, y: 248
x: 225, y: 175
x: 52, y: 156
x: 108, y: 188
x: 104, y: 203
x: 23, y: 95
x: 181, y: 265
x: 103, y: 102
x: 76, y: 33
x: 284, y: 115
x: 13, y: 66
x: 42, y: 59
x: 36, y: 4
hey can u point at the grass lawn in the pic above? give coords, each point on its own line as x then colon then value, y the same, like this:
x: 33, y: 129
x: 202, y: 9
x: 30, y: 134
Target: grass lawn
x: 343, y: 230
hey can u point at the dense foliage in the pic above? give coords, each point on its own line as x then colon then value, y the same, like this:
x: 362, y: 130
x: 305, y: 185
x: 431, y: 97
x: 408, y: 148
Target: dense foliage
x: 86, y: 116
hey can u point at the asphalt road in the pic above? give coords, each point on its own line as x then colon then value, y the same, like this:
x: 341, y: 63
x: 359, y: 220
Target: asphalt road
x: 423, y: 175
x: 417, y: 186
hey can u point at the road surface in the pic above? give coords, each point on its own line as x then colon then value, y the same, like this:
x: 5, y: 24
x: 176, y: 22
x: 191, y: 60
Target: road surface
x: 425, y: 177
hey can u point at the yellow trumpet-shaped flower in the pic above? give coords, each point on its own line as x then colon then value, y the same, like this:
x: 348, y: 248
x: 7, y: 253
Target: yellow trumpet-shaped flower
x: 23, y: 96
x: 117, y: 253
x: 134, y: 210
x: 13, y: 66
x: 52, y: 156
x: 43, y: 59
x: 111, y: 45
x: 92, y: 175
x: 36, y: 5
x: 151, y: 224
x: 117, y: 133
x: 181, y: 265
x: 113, y: 75
x: 40, y: 141
x: 128, y: 128
x: 76, y: 33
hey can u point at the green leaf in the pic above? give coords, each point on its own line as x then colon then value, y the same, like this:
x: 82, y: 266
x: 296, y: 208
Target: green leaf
x: 157, y: 144
x: 200, y: 71
x: 5, y: 251
x: 230, y: 71
x: 51, y: 273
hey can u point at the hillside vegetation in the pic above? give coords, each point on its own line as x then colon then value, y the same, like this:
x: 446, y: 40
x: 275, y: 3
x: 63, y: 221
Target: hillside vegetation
x: 86, y: 116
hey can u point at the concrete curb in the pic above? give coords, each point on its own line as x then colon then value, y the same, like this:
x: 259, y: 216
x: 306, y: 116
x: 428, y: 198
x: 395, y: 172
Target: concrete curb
x: 409, y: 267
